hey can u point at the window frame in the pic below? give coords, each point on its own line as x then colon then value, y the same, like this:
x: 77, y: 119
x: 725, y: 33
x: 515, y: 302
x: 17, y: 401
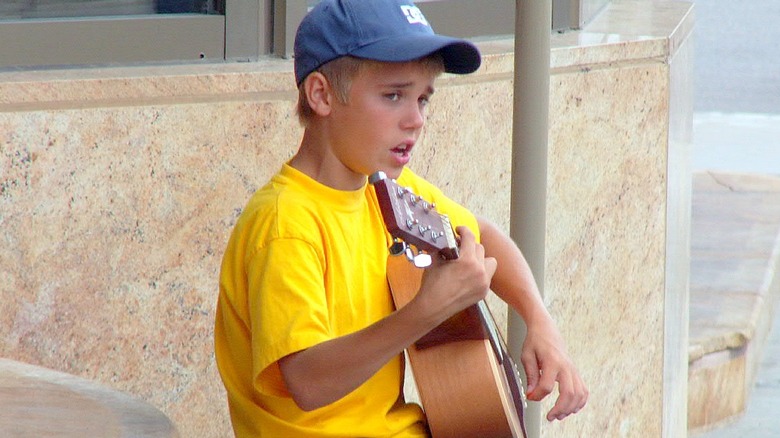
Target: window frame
x: 242, y: 34
x: 108, y: 40
x: 249, y: 31
x: 458, y: 18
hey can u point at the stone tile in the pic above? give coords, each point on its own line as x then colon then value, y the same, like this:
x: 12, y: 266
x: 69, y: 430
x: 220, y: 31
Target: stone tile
x: 734, y: 289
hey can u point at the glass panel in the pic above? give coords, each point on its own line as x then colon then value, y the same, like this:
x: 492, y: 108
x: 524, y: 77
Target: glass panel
x: 460, y: 18
x: 32, y: 9
x: 471, y: 19
x: 111, y: 40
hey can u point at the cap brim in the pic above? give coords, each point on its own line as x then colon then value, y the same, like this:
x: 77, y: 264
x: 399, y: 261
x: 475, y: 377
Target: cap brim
x: 459, y: 56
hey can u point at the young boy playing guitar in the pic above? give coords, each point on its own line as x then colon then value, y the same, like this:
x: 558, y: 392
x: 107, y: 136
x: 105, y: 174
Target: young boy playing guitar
x: 308, y: 341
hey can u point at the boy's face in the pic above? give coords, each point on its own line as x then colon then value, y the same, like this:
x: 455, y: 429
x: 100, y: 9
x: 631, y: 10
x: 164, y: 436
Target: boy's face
x: 380, y: 123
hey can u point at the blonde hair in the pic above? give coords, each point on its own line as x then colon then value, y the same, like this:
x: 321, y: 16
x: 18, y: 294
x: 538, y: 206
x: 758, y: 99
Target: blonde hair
x: 341, y: 71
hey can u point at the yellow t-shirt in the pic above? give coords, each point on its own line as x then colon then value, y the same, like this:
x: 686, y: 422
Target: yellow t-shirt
x: 307, y: 263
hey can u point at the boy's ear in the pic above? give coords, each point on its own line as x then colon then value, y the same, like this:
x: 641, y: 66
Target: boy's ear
x: 319, y: 93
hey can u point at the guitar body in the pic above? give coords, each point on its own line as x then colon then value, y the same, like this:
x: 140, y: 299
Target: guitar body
x: 462, y: 386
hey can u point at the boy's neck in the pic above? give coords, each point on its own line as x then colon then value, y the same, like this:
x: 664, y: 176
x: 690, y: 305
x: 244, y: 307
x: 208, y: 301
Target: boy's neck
x: 315, y: 159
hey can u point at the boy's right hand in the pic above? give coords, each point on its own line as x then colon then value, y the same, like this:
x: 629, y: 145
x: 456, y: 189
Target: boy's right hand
x: 449, y: 286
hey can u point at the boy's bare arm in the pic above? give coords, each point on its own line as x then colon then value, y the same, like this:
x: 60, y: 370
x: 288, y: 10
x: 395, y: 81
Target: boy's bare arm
x: 328, y: 371
x: 544, y: 354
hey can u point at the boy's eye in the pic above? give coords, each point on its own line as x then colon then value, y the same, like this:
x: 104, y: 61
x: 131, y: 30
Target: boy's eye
x: 424, y: 101
x: 393, y: 97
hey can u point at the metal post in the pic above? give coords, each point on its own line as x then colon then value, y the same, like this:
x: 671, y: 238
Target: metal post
x: 529, y: 155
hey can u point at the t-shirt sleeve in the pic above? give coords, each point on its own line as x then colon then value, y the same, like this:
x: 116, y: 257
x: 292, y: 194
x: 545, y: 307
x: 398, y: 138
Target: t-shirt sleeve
x: 288, y: 306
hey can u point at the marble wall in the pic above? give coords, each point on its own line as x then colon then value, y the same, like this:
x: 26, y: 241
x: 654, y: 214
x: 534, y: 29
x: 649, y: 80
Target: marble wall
x: 119, y: 187
x: 617, y: 226
x: 117, y: 193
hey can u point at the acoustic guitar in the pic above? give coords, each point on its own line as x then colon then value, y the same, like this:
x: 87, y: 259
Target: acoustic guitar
x: 468, y: 384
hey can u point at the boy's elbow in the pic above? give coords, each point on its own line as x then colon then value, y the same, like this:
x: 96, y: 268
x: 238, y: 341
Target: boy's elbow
x: 301, y: 391
x: 306, y: 401
x: 308, y: 390
x: 310, y: 395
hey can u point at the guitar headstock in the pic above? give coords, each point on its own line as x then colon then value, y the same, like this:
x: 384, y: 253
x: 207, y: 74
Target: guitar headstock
x: 413, y: 219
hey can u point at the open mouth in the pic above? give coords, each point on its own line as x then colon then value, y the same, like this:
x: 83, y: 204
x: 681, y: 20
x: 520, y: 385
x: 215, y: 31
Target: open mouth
x: 403, y: 150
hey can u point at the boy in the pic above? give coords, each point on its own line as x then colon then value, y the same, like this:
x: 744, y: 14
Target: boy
x: 307, y: 340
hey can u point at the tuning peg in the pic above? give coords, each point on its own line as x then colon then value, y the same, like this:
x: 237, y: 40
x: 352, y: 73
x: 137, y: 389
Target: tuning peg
x: 398, y: 247
x: 422, y: 260
x: 409, y: 252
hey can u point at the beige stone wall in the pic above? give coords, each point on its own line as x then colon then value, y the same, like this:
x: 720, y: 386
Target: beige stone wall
x: 618, y: 216
x: 607, y: 185
x: 119, y: 187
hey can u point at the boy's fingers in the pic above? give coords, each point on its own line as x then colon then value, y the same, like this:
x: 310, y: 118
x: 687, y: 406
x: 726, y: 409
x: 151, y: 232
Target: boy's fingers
x: 544, y: 386
x: 531, y: 374
x: 467, y: 238
x: 566, y: 402
x: 490, y: 266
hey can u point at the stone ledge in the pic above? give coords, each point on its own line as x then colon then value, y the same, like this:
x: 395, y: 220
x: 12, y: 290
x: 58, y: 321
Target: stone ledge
x: 735, y: 256
x: 39, y: 402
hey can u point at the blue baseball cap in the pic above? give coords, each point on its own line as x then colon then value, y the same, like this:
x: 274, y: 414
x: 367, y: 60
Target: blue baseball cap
x: 381, y: 30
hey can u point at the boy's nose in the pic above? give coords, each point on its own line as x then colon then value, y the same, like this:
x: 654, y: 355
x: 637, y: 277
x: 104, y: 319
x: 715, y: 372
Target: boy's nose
x: 415, y: 117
